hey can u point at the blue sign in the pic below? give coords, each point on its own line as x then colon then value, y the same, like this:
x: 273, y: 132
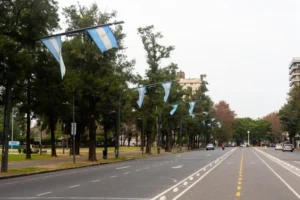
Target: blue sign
x: 14, y: 143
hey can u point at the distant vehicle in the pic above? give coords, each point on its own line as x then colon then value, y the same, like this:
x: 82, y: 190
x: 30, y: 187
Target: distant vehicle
x: 210, y: 146
x: 233, y: 144
x: 228, y: 145
x: 278, y: 146
x: 243, y: 145
x: 288, y: 147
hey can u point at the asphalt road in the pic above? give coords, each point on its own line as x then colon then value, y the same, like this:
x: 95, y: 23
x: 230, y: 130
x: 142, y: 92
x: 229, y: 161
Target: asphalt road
x: 235, y: 173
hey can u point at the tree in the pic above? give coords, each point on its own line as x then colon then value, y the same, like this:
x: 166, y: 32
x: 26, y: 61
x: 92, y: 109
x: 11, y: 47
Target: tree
x: 153, y: 105
x: 22, y: 23
x: 225, y: 115
x: 102, y: 76
x: 274, y: 119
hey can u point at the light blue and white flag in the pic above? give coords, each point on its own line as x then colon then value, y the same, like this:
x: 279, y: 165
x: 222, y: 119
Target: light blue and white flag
x: 142, y: 91
x: 103, y: 38
x: 174, y: 108
x: 192, y: 105
x: 219, y: 124
x: 193, y: 116
x: 203, y: 122
x: 167, y: 87
x: 208, y: 124
x: 213, y: 119
x: 54, y: 46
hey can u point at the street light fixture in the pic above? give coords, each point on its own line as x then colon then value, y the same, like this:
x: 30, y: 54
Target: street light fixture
x: 248, y: 137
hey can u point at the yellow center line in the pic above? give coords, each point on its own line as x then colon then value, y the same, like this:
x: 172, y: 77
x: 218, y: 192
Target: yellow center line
x: 239, y: 183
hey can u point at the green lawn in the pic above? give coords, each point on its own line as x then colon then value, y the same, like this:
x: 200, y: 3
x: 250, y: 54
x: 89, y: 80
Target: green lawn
x: 21, y: 157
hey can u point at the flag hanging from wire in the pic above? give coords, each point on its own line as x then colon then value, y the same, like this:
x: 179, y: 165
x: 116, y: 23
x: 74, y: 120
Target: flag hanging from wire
x: 206, y: 113
x: 174, y: 108
x: 167, y: 87
x: 142, y: 91
x: 54, y: 46
x: 103, y: 38
x: 192, y: 105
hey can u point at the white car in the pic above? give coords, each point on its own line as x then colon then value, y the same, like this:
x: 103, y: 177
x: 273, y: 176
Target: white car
x: 278, y: 147
x: 243, y: 145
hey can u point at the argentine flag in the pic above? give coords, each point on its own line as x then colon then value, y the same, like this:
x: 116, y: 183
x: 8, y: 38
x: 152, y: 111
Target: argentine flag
x: 142, y: 91
x: 167, y: 87
x: 174, y: 108
x: 192, y: 105
x: 54, y: 46
x: 103, y: 38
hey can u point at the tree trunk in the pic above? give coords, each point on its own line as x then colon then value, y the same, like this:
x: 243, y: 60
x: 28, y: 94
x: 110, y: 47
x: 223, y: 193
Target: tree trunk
x: 77, y: 143
x: 105, y: 141
x: 148, y: 146
x: 52, y: 129
x: 92, y: 139
x: 28, y: 119
x: 129, y: 140
x: 169, y: 141
x: 137, y: 139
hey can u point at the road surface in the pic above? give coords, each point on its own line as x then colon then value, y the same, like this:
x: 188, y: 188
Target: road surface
x: 235, y: 173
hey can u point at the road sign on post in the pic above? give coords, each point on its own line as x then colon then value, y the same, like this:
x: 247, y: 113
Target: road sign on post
x: 73, y: 129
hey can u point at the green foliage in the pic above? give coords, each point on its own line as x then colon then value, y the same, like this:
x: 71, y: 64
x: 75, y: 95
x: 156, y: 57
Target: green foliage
x: 259, y: 130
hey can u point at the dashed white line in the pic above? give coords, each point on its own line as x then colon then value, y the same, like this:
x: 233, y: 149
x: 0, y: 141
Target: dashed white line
x: 127, y: 173
x: 175, y: 189
x: 185, y: 183
x: 123, y: 167
x: 74, y: 186
x: 113, y: 176
x: 94, y: 181
x: 43, y: 194
x: 154, y: 165
x: 198, y: 174
x: 163, y: 198
x: 191, y: 178
x: 137, y: 170
x: 146, y: 167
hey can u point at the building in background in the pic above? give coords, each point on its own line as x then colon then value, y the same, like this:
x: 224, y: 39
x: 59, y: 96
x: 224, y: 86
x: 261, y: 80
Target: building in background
x: 194, y: 83
x: 294, y: 72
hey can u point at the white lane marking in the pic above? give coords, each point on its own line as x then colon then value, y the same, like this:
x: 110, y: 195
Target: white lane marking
x: 94, y: 181
x: 43, y: 194
x: 189, y: 187
x: 204, y: 169
x: 175, y: 189
x: 123, y: 167
x: 176, y: 185
x: 198, y: 174
x: 177, y: 167
x: 113, y: 176
x: 137, y: 170
x: 167, y: 162
x: 179, y: 155
x: 74, y: 186
x: 287, y: 185
x: 127, y: 173
x: 163, y: 198
x: 185, y: 183
x: 191, y: 178
x: 297, y: 162
x: 154, y: 165
x: 208, y: 155
x: 280, y: 162
x: 146, y: 167
x: 160, y: 164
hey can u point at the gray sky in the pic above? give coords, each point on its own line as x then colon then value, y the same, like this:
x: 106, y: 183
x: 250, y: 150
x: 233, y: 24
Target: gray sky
x: 244, y: 47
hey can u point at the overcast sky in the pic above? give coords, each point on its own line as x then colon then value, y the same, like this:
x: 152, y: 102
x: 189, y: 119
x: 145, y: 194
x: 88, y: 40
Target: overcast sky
x: 244, y: 47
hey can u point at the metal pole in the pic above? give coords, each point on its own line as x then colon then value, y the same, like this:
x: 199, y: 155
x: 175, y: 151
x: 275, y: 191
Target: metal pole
x: 248, y: 137
x: 142, y: 139
x: 158, y: 135
x: 74, y: 123
x: 180, y: 135
x: 12, y: 129
x: 41, y: 142
x: 118, y: 131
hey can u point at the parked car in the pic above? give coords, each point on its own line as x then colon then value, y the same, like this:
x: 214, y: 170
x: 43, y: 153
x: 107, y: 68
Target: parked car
x: 243, y: 145
x: 278, y: 146
x: 288, y: 147
x: 210, y: 146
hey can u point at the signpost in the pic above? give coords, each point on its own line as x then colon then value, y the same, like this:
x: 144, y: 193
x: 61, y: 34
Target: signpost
x: 73, y: 133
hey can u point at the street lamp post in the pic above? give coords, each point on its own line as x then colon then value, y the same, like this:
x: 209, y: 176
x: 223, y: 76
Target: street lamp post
x: 248, y: 137
x: 12, y: 129
x: 73, y: 131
